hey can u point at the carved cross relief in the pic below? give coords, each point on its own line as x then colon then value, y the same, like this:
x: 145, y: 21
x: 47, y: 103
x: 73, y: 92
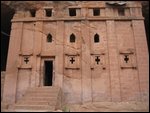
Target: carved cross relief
x: 26, y: 60
x: 126, y: 59
x: 97, y: 59
x: 72, y: 60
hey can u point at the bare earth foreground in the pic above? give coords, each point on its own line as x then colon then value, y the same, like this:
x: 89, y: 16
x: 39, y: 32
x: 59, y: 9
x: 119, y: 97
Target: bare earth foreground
x: 110, y: 107
x: 103, y: 107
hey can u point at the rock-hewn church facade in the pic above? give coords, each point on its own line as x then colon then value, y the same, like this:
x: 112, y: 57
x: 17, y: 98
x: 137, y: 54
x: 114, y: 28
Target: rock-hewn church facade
x: 93, y: 51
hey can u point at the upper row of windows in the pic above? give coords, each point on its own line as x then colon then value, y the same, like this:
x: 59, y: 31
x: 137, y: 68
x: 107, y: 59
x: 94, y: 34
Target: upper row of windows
x: 48, y: 12
x: 72, y: 12
x: 73, y: 38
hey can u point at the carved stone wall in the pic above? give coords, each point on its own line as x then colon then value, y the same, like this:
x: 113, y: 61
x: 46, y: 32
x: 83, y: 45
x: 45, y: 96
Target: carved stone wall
x: 96, y: 52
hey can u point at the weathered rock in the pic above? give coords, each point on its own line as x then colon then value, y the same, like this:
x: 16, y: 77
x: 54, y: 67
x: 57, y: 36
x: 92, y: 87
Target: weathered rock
x: 93, y: 54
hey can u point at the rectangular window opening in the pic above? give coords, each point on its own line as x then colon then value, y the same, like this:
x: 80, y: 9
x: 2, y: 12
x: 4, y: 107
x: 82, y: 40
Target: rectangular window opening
x: 33, y: 12
x: 121, y: 12
x: 72, y: 12
x: 96, y: 11
x: 48, y: 12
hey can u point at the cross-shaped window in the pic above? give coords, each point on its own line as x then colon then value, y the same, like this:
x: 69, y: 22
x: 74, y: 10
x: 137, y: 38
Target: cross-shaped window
x: 26, y: 59
x: 72, y: 60
x: 97, y: 59
x: 126, y: 59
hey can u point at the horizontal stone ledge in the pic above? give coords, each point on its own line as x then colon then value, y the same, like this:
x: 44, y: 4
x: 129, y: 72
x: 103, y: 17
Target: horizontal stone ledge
x: 103, y: 67
x: 76, y: 19
x: 73, y: 54
x: 126, y: 52
x: 67, y: 68
x: 128, y: 67
x: 101, y: 53
x: 47, y: 54
x: 24, y: 67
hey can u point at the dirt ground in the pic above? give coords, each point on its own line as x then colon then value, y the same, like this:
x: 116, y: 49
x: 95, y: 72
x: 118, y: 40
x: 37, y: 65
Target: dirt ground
x: 108, y: 107
x: 104, y: 107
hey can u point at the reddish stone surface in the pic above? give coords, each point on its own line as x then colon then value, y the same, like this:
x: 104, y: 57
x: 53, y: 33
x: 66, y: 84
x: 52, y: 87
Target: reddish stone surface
x: 84, y: 80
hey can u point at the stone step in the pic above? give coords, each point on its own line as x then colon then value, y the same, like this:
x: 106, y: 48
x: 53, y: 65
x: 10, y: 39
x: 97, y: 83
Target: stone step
x: 41, y: 94
x: 39, y: 98
x: 49, y: 87
x: 26, y: 110
x: 36, y: 102
x: 34, y: 107
x: 4, y: 106
x: 42, y: 91
x: 42, y: 99
x: 45, y: 88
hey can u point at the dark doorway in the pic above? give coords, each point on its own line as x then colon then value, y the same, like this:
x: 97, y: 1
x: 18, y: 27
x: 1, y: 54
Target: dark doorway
x: 48, y: 78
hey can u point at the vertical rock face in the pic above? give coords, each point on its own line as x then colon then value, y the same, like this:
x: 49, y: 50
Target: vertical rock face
x: 26, y: 5
x: 93, y: 49
x: 145, y: 10
x: 9, y: 7
x: 2, y: 83
x: 6, y: 16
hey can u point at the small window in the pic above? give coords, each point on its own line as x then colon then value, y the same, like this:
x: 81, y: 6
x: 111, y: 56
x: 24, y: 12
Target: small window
x: 72, y: 38
x: 121, y: 12
x: 72, y: 12
x: 96, y: 12
x: 48, y: 12
x: 49, y: 38
x: 96, y: 38
x: 33, y: 12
